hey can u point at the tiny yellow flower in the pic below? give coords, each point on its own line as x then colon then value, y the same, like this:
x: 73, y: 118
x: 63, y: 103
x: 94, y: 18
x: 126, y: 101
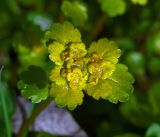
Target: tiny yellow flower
x: 77, y: 50
x: 76, y: 80
x: 56, y: 77
x: 55, y: 49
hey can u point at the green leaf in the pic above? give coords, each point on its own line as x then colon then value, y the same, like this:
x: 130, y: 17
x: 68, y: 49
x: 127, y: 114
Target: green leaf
x: 153, y: 130
x: 76, y: 11
x: 12, y: 6
x: 2, y: 131
x: 34, y: 75
x: 136, y: 60
x: 44, y: 134
x: 137, y: 110
x: 6, y: 108
x: 31, y: 91
x: 109, y: 128
x: 106, y: 49
x: 116, y: 88
x: 8, y: 99
x: 103, y: 129
x: 33, y: 84
x: 128, y: 135
x: 113, y: 7
x: 140, y: 2
x: 154, y: 99
x: 64, y: 33
x: 34, y: 55
x: 126, y: 43
x: 153, y: 66
x: 65, y: 96
x: 157, y: 44
x: 153, y: 44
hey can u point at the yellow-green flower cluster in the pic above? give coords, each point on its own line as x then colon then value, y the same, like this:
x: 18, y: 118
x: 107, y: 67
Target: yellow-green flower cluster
x: 79, y: 69
x: 103, y: 58
x: 70, y: 60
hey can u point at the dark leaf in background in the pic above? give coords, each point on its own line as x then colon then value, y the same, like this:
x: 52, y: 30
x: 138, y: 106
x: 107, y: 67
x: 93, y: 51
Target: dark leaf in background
x: 137, y: 111
x: 136, y: 62
x: 33, y: 84
x: 153, y: 45
x: 154, y: 99
x: 34, y: 75
x: 153, y: 66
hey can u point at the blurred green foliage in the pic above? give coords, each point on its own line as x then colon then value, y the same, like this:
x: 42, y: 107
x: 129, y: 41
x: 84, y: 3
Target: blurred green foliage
x: 76, y: 11
x: 133, y: 24
x: 153, y: 130
x: 113, y: 7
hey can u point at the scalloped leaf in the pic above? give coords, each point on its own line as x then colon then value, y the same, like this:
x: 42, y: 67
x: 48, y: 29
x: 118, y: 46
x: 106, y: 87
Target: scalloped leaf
x: 65, y: 96
x: 108, y: 50
x: 64, y: 33
x: 33, y: 92
x: 113, y: 7
x: 76, y: 11
x: 116, y: 88
x: 34, y: 75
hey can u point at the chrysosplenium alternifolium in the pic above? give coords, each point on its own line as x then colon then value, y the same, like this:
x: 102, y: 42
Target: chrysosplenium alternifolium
x: 93, y: 70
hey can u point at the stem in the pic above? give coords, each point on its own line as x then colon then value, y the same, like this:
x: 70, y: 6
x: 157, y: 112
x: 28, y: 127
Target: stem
x: 30, y: 120
x: 97, y: 28
x: 31, y: 110
x: 4, y: 106
x: 29, y: 115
